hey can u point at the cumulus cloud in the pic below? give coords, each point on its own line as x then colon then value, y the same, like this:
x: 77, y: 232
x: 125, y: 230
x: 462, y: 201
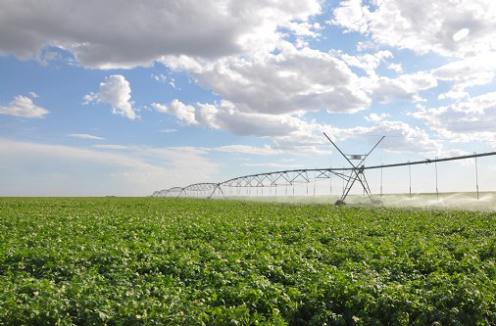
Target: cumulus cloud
x: 280, y: 82
x: 292, y: 133
x: 118, y: 33
x: 406, y: 86
x: 465, y: 74
x: 368, y: 62
x: 450, y: 28
x: 86, y: 136
x: 116, y: 91
x: 226, y: 116
x: 22, y: 106
x: 287, y: 132
x: 184, y: 113
x: 400, y: 137
x: 469, y: 120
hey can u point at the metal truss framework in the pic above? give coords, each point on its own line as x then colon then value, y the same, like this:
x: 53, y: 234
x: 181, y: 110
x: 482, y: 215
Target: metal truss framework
x: 357, y: 172
x: 288, y: 178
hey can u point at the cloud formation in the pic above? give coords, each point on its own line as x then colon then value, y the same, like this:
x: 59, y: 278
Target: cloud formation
x: 255, y: 59
x: 470, y: 120
x: 116, y: 91
x: 22, y: 106
x: 225, y: 116
x: 447, y: 27
x: 127, y: 34
x: 287, y: 81
x: 184, y: 113
x: 289, y: 133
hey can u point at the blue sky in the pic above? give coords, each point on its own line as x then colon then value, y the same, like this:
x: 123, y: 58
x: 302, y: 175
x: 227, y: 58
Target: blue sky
x: 128, y: 99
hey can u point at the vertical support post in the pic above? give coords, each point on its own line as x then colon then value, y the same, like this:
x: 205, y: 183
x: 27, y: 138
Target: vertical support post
x: 314, y: 185
x: 307, y: 188
x: 330, y: 185
x: 343, y: 179
x: 293, y: 188
x: 410, y: 178
x: 381, y: 183
x: 437, y: 189
x: 476, y: 178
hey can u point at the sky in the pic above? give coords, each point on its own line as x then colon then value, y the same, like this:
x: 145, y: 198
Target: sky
x: 127, y: 97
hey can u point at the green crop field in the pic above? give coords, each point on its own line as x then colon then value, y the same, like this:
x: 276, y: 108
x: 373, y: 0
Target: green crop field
x: 156, y: 261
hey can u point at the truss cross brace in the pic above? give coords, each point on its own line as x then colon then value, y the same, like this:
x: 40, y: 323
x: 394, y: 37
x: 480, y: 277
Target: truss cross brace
x: 216, y: 187
x: 357, y: 173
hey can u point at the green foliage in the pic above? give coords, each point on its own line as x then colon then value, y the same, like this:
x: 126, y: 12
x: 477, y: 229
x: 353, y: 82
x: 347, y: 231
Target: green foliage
x: 155, y: 261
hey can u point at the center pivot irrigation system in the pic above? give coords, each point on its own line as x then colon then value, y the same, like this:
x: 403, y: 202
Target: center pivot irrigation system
x: 354, y: 174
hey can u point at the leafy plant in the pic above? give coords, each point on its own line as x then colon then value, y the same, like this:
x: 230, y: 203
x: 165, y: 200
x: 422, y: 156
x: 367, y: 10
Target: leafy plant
x: 156, y: 261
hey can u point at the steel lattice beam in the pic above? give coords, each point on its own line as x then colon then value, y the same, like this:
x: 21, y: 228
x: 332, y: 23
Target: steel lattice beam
x: 352, y: 174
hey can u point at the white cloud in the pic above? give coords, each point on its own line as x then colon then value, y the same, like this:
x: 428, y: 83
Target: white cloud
x: 470, y: 120
x: 116, y: 91
x: 396, y: 67
x: 86, y: 136
x: 184, y: 113
x: 226, y: 116
x: 368, y: 62
x: 465, y: 74
x: 375, y: 117
x: 291, y: 134
x: 402, y: 137
x: 287, y: 132
x: 117, y: 33
x: 447, y: 27
x: 22, y: 106
x: 352, y: 15
x: 285, y: 81
x: 406, y: 86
